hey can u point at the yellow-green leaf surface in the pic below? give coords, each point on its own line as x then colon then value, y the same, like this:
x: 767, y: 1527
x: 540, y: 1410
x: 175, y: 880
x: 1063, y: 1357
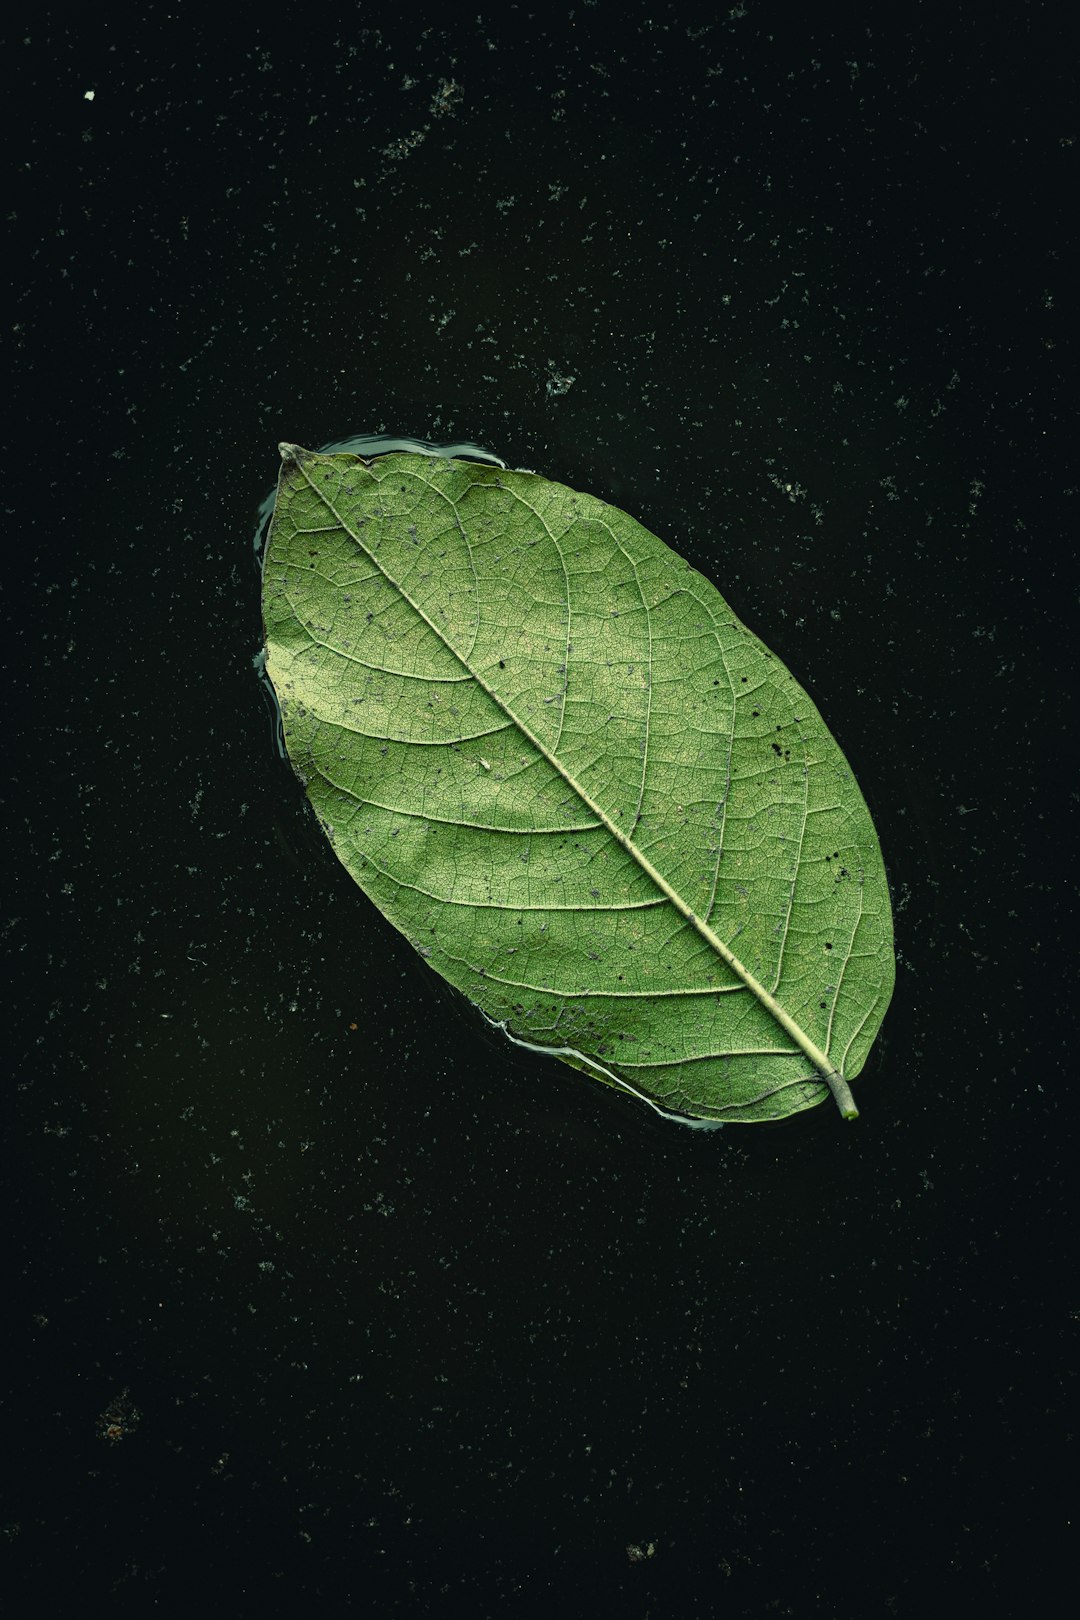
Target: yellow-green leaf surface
x: 593, y: 800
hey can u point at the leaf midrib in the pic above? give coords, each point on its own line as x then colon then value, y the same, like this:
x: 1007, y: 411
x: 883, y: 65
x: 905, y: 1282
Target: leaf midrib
x: 299, y: 458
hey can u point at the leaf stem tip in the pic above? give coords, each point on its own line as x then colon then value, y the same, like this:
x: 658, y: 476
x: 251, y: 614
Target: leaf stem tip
x: 842, y: 1093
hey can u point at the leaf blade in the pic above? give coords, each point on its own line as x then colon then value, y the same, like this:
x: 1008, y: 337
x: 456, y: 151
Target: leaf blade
x: 482, y: 672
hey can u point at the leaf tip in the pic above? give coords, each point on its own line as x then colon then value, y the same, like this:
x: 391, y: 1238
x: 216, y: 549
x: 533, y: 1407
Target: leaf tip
x: 291, y: 453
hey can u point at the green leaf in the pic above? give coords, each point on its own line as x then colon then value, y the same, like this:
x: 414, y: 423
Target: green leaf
x: 589, y: 797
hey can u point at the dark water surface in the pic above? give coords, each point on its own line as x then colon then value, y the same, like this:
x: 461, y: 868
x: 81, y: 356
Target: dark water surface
x: 321, y: 1297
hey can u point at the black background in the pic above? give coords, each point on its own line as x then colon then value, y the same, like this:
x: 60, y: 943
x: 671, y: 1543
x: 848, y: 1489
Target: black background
x: 321, y: 1298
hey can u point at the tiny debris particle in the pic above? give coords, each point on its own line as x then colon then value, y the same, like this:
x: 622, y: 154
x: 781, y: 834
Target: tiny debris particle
x: 119, y: 1418
x: 638, y: 1555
